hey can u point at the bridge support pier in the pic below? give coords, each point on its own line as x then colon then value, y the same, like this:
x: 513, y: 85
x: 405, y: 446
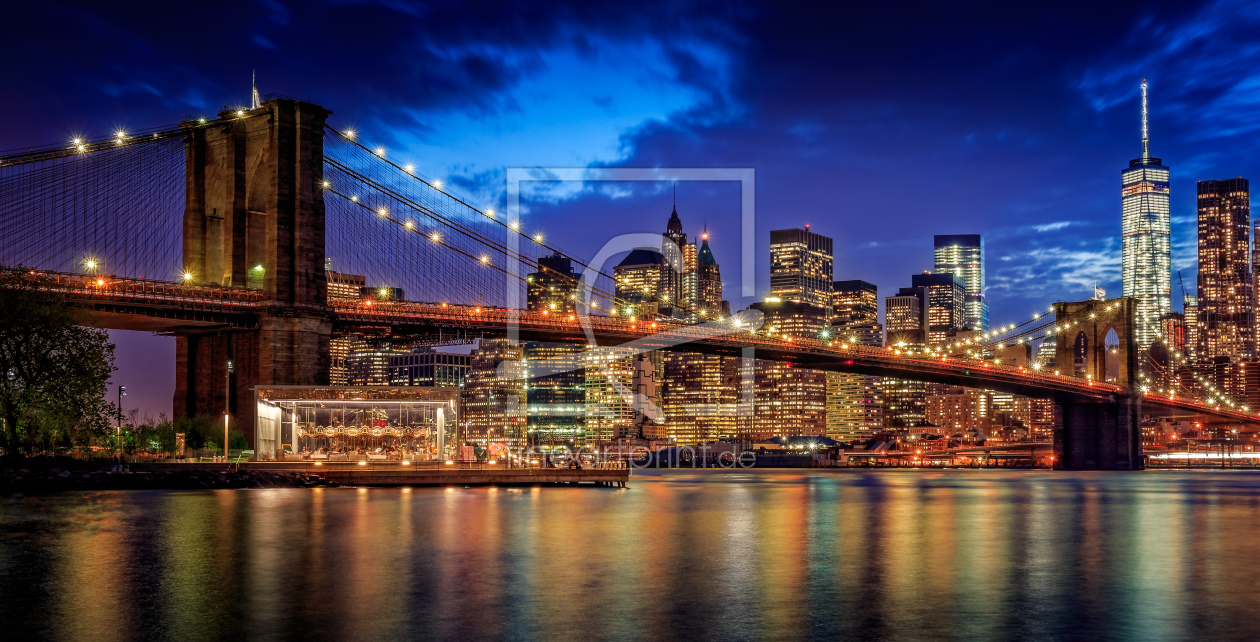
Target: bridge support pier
x: 1099, y: 436
x: 254, y: 217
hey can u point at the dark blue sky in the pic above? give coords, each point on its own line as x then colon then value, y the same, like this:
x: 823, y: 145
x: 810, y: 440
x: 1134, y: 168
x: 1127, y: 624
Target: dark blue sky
x: 880, y: 124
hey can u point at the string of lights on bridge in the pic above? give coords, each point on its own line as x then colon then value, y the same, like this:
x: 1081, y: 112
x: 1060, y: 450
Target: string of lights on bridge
x: 975, y: 348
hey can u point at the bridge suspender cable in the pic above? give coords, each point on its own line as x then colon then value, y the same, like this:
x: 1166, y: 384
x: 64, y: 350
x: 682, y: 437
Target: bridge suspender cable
x: 480, y: 238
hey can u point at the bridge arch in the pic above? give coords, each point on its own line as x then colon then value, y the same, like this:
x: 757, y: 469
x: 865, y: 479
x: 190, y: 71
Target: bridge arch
x: 1109, y: 353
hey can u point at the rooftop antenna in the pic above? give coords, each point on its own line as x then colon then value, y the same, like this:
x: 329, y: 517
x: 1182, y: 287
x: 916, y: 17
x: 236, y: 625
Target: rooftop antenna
x: 1146, y: 138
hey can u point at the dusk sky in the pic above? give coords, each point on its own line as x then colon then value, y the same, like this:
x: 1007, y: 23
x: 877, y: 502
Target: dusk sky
x: 879, y: 124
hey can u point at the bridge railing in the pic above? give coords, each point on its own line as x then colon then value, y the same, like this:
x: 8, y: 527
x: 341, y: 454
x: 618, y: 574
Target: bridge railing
x: 439, y: 312
x: 122, y: 289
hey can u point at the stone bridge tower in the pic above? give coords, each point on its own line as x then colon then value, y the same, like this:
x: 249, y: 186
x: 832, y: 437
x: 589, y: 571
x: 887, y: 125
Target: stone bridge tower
x: 1091, y: 435
x: 254, y: 218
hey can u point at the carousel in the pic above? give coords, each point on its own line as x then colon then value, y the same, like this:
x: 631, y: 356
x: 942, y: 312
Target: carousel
x: 373, y: 423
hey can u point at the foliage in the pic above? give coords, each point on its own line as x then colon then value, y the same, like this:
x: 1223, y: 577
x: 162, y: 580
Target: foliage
x: 53, y: 371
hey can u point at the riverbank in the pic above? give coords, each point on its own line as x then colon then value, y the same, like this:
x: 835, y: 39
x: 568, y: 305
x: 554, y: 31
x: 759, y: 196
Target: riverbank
x: 51, y: 474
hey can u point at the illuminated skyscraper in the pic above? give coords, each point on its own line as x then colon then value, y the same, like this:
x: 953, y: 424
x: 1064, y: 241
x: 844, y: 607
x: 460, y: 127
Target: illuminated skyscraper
x: 609, y: 394
x: 800, y: 267
x: 963, y: 256
x: 554, y: 286
x: 556, y: 394
x: 1146, y: 267
x: 701, y: 396
x: 854, y: 302
x: 494, y: 393
x: 1226, y: 315
x: 707, y: 277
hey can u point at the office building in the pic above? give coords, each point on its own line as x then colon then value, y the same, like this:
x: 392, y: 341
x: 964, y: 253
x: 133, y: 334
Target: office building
x: 700, y: 395
x: 494, y: 393
x: 367, y: 363
x: 1146, y: 256
x: 1226, y: 312
x: 789, y: 401
x: 429, y: 368
x: 796, y: 319
x: 639, y: 280
x: 609, y: 394
x: 945, y: 310
x: 707, y: 277
x: 345, y: 286
x: 904, y: 402
x: 903, y: 318
x: 855, y: 406
x: 555, y: 395
x: 854, y: 302
x: 800, y: 267
x: 855, y: 402
x: 963, y: 256
x: 928, y: 312
x: 554, y: 287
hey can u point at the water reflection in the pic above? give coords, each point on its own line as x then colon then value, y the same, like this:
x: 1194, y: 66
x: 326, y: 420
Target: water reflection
x: 707, y: 554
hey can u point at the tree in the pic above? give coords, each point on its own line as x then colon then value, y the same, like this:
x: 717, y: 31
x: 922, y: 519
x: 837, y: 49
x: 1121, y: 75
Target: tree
x: 53, y: 371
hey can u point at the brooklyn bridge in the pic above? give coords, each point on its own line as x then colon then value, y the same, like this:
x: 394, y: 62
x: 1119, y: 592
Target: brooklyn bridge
x: 218, y: 232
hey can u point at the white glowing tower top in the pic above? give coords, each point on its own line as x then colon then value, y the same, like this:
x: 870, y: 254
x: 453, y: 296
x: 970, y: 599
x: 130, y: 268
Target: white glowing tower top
x: 1146, y: 136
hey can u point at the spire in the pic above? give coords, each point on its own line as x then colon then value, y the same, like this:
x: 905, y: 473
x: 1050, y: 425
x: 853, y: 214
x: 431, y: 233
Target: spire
x: 674, y: 228
x: 255, y: 99
x: 1146, y: 138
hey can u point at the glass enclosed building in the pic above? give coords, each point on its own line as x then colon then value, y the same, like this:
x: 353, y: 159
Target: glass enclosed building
x: 344, y: 423
x: 963, y: 256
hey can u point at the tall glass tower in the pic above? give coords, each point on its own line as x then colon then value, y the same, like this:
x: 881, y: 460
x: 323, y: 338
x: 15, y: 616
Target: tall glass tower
x: 963, y: 256
x: 1146, y: 270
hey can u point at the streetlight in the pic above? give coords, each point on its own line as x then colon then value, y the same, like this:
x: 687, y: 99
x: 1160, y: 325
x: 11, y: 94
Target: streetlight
x: 227, y: 405
x: 122, y: 392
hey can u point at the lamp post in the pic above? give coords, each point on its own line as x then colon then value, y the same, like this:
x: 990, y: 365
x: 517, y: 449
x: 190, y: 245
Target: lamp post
x: 122, y: 392
x: 227, y: 405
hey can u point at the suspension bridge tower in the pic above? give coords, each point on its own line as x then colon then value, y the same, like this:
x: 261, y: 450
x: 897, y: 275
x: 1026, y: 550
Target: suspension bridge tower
x: 254, y: 218
x: 1102, y: 343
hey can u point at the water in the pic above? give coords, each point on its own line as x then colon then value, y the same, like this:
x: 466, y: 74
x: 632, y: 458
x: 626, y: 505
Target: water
x: 706, y: 555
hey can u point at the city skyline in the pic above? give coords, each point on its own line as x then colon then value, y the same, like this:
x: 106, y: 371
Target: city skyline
x: 1066, y: 114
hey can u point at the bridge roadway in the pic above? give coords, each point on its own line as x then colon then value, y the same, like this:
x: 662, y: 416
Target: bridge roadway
x: 134, y: 304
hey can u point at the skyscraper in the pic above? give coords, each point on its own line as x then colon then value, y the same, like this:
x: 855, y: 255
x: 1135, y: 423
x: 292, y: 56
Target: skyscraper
x: 926, y: 312
x: 855, y: 402
x: 554, y: 286
x: 708, y: 280
x: 800, y: 267
x: 1226, y: 314
x: 1146, y: 267
x: 556, y: 394
x: 854, y: 302
x: 963, y: 256
x: 494, y: 392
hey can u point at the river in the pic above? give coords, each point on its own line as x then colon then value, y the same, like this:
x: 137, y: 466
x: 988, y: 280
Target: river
x: 721, y: 555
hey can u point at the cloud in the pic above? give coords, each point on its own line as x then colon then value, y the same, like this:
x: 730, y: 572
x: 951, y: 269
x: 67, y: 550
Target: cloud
x: 1204, y: 69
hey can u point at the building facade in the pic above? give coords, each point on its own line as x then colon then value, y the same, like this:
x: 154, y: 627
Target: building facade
x: 789, y: 401
x: 963, y: 256
x: 430, y: 368
x: 701, y: 396
x: 854, y: 302
x: 494, y: 393
x: 554, y: 287
x: 791, y: 318
x: 609, y: 394
x: 800, y: 267
x: 1146, y: 254
x: 1226, y: 307
x: 555, y: 393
